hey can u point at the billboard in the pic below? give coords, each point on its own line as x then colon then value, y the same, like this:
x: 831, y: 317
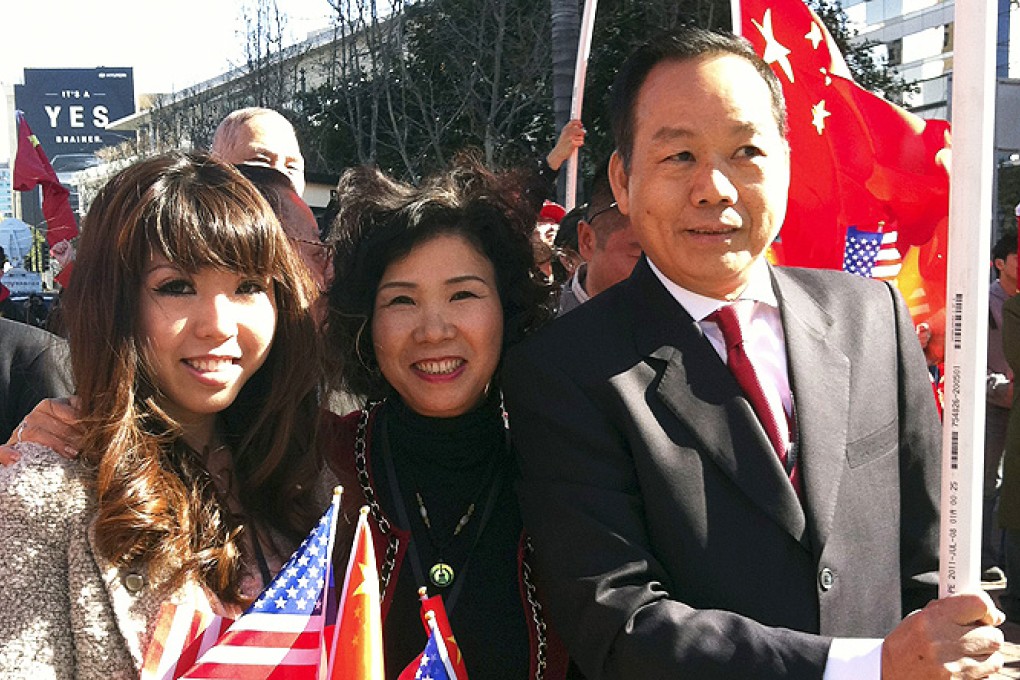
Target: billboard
x: 68, y: 109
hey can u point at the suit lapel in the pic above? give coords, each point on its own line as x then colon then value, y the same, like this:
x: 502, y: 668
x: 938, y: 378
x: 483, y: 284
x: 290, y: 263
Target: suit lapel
x: 702, y: 394
x: 820, y: 382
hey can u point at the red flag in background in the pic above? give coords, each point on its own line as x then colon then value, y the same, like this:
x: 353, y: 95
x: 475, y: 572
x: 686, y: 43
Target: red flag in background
x: 858, y: 162
x: 32, y: 168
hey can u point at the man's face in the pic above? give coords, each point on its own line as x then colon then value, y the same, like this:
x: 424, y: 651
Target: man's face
x: 268, y: 141
x: 1007, y: 273
x: 706, y: 190
x: 612, y: 261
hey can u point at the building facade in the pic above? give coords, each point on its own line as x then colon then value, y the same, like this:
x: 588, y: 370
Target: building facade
x: 6, y: 191
x: 917, y: 38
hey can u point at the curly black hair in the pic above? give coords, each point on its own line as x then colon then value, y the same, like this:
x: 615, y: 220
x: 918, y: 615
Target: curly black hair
x: 381, y: 220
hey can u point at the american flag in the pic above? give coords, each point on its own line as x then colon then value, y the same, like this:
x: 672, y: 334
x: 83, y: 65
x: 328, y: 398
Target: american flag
x: 181, y: 635
x: 281, y: 633
x: 434, y: 663
x: 872, y: 254
x: 437, y: 624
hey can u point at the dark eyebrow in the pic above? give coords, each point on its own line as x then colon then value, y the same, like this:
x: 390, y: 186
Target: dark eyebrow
x: 449, y: 282
x: 163, y: 265
x: 666, y: 132
x: 466, y: 277
x: 395, y: 284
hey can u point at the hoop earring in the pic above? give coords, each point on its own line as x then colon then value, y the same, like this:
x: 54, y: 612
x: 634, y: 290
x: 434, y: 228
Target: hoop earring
x: 357, y: 349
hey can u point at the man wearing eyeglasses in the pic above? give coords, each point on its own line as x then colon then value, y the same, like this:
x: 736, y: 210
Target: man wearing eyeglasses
x: 298, y: 222
x: 607, y: 245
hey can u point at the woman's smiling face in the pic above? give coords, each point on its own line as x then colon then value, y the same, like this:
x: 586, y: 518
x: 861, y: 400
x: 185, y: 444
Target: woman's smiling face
x: 437, y: 327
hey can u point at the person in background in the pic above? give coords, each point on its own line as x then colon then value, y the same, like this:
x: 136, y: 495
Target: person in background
x: 303, y: 233
x: 433, y: 282
x: 570, y: 139
x: 55, y: 320
x: 36, y: 312
x: 543, y: 236
x: 565, y: 243
x: 258, y: 136
x: 606, y: 243
x: 1009, y: 491
x: 999, y: 399
x: 195, y: 359
x: 33, y: 366
x: 297, y: 221
x: 729, y: 469
x: 8, y: 308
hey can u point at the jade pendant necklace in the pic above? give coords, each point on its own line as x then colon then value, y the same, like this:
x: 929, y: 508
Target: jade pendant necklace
x: 441, y: 573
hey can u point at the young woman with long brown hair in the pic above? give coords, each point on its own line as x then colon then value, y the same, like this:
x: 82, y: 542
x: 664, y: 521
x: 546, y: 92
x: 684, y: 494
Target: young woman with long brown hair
x: 194, y: 356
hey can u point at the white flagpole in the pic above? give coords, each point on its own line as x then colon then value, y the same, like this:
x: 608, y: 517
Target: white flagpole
x: 577, y: 98
x: 970, y: 217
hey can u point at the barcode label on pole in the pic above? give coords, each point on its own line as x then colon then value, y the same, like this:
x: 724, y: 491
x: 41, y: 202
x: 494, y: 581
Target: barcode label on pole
x: 958, y: 321
x: 954, y: 450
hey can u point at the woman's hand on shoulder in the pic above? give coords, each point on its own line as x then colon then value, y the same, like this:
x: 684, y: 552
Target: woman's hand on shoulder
x: 52, y: 423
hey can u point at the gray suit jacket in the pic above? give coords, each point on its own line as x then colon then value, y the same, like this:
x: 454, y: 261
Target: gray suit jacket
x: 33, y: 365
x: 667, y: 536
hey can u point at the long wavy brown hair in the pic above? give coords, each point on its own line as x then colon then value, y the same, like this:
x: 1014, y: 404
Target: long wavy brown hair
x: 157, y: 504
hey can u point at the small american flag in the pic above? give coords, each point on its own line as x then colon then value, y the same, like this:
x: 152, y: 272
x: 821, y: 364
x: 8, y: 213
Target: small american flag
x: 872, y: 254
x: 181, y: 635
x: 281, y: 633
x: 443, y: 649
x: 434, y: 663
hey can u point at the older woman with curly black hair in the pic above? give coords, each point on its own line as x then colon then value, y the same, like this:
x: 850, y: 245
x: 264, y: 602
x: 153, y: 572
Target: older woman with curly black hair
x: 433, y: 282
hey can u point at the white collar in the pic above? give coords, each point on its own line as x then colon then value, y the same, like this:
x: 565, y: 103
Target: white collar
x: 759, y: 289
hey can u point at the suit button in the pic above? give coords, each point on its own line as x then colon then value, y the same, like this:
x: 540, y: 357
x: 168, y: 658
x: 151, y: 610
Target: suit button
x: 134, y: 582
x: 826, y: 578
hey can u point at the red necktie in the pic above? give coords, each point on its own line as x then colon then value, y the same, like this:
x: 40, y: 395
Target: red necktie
x: 776, y: 425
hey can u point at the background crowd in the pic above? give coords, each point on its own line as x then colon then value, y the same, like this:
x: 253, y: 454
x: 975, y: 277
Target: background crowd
x: 693, y: 498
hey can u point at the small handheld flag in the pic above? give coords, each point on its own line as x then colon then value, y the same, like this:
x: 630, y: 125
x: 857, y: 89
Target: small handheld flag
x: 357, y: 649
x: 441, y: 657
x: 281, y: 633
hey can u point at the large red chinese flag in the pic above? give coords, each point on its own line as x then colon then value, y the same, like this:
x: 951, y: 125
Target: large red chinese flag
x: 31, y: 169
x: 857, y: 160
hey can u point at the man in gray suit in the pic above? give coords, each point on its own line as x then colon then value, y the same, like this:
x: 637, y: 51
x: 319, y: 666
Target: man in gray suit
x: 707, y: 503
x: 33, y: 365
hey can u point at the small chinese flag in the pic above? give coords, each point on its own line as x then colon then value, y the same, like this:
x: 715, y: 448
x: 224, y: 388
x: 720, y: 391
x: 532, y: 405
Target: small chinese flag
x: 357, y: 652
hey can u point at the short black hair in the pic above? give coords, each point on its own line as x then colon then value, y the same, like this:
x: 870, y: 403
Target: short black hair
x: 1005, y: 246
x: 381, y: 220
x: 566, y: 235
x: 602, y: 202
x: 680, y: 44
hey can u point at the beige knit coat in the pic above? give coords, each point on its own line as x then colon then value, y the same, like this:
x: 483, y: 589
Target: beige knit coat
x: 65, y: 612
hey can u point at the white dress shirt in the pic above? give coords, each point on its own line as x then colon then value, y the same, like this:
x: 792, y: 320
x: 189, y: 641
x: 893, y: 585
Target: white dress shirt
x: 765, y: 343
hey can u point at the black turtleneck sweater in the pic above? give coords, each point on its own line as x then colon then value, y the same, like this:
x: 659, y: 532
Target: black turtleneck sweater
x: 453, y: 462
